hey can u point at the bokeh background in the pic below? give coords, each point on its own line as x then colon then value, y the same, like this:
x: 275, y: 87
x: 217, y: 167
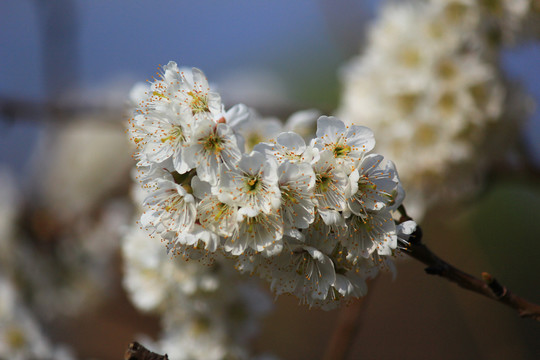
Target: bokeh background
x: 66, y: 62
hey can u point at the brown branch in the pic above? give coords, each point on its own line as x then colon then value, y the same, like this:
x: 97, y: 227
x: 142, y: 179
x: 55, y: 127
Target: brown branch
x: 488, y: 286
x: 136, y: 351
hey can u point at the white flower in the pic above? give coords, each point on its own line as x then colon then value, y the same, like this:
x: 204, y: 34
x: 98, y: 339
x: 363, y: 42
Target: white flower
x: 217, y: 216
x: 404, y: 232
x: 211, y: 148
x: 332, y: 187
x: 313, y: 219
x: 249, y: 262
x: 212, y: 214
x: 170, y: 209
x: 160, y: 134
x: 305, y: 272
x: 369, y: 233
x: 289, y: 146
x: 348, y: 285
x: 372, y: 186
x: 147, y: 176
x: 168, y: 83
x: 218, y: 312
x: 194, y: 93
x: 251, y: 184
x: 20, y: 334
x: 260, y: 232
x: 296, y: 183
x: 237, y: 116
x: 346, y: 144
x: 322, y: 236
x: 198, y: 238
x: 258, y: 129
x: 143, y: 256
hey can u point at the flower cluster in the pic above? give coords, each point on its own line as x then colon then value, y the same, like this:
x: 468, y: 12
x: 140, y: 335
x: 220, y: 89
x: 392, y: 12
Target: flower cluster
x: 314, y: 219
x: 429, y: 81
x: 21, y: 337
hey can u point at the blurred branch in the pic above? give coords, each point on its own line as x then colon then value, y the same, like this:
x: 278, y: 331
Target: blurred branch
x: 32, y: 110
x: 347, y: 327
x: 488, y: 286
x: 136, y: 351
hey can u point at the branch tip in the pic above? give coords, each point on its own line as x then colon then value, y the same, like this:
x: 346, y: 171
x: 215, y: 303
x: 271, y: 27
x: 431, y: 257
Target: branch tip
x: 488, y: 279
x: 136, y: 351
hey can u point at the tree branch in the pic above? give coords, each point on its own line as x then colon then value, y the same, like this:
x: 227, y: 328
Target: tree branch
x: 348, y: 322
x: 487, y: 286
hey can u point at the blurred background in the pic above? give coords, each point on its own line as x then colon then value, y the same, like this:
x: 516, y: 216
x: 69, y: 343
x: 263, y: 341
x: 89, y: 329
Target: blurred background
x: 67, y: 69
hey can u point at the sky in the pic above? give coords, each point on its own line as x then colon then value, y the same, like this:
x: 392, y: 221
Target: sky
x: 132, y: 37
x: 127, y: 39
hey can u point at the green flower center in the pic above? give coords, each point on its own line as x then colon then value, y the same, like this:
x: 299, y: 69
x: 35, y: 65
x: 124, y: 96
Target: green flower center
x: 303, y: 264
x: 253, y: 184
x: 213, y: 144
x: 323, y: 181
x: 176, y: 134
x: 199, y: 102
x: 341, y: 150
x: 220, y: 210
x: 253, y: 139
x: 288, y: 196
x: 364, y: 184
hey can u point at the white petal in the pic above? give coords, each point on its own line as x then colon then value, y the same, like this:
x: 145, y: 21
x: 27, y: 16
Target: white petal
x: 237, y: 115
x: 292, y: 141
x: 329, y: 128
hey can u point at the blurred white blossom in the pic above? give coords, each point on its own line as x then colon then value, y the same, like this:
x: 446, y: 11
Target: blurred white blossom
x: 208, y: 311
x: 21, y: 337
x: 428, y: 85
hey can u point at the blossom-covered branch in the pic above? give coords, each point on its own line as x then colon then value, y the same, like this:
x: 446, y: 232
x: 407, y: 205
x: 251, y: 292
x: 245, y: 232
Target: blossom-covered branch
x: 314, y: 218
